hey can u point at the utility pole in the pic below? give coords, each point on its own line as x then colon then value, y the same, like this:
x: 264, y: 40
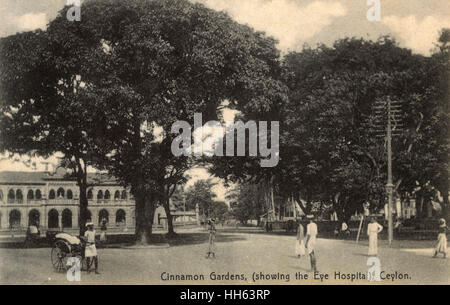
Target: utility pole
x: 394, y: 113
x: 389, y: 185
x: 184, y: 208
x: 272, y: 199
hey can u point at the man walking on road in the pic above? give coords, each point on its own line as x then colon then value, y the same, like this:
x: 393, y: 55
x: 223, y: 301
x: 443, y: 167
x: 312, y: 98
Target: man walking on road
x: 311, y: 237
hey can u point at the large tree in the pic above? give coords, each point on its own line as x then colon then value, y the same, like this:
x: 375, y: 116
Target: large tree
x: 440, y: 121
x: 332, y: 139
x: 335, y: 90
x: 44, y: 108
x: 143, y: 65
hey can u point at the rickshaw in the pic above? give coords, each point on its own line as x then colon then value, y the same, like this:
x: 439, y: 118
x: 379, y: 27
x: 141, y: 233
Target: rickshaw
x: 64, y: 247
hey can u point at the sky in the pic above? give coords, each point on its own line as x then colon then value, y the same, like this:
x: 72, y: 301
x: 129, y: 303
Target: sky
x: 415, y: 24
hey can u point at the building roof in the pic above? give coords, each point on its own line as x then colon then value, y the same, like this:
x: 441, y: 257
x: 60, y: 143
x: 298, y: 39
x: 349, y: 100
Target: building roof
x: 21, y: 177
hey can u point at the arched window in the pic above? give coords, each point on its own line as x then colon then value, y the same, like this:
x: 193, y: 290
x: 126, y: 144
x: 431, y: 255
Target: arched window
x: 19, y: 196
x: 30, y: 195
x: 117, y: 195
x: 66, y: 218
x: 100, y: 195
x: 34, y: 218
x: 107, y: 195
x: 90, y: 195
x: 69, y: 194
x: 1, y: 196
x: 120, y: 218
x: 11, y: 195
x: 51, y: 194
x: 38, y: 195
x: 124, y: 194
x: 53, y: 219
x: 103, y: 214
x: 60, y: 193
x: 14, y: 219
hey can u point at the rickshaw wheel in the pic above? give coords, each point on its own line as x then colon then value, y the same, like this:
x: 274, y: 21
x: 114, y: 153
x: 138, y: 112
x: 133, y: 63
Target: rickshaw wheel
x: 59, y: 256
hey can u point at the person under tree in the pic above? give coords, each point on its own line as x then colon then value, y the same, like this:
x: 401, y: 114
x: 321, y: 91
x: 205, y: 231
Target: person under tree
x: 91, y: 250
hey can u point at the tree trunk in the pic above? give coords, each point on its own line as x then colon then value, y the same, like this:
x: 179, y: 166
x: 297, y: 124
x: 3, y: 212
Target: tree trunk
x: 83, y: 209
x: 144, y: 219
x: 169, y: 217
x: 150, y: 207
x: 445, y: 204
x: 82, y: 185
x: 419, y: 204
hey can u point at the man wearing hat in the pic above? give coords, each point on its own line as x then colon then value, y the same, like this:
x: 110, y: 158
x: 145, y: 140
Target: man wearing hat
x: 311, y: 237
x: 91, y: 250
x: 441, y: 246
x: 373, y: 229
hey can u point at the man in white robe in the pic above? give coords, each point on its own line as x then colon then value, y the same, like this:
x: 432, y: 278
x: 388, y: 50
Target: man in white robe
x: 311, y: 238
x: 372, y: 231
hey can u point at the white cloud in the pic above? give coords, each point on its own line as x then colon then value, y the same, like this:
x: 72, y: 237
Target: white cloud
x: 417, y: 35
x: 32, y: 21
x: 28, y: 163
x: 285, y: 20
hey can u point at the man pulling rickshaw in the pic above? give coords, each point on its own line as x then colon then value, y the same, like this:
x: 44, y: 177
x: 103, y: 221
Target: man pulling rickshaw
x: 83, y: 248
x: 90, y: 251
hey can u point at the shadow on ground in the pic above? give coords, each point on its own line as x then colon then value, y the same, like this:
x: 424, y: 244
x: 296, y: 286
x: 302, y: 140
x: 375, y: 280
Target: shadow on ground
x: 224, y: 234
x: 119, y: 241
x: 20, y: 244
x: 182, y: 239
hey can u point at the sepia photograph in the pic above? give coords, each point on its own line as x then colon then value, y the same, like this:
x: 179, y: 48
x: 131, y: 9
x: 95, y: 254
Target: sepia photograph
x: 224, y: 142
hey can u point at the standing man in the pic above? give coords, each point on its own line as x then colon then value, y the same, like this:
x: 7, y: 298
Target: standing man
x: 212, y: 238
x: 441, y: 246
x: 372, y: 231
x: 300, y: 241
x: 311, y: 237
x: 344, y: 229
x: 103, y: 230
x: 91, y: 251
x: 33, y: 234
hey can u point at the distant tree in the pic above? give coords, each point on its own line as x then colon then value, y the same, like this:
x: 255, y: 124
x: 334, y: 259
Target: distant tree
x: 177, y: 198
x: 200, y: 194
x: 220, y: 210
x: 247, y: 202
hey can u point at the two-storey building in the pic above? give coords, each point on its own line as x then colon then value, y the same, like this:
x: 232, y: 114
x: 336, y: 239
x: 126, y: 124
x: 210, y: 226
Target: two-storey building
x: 53, y: 201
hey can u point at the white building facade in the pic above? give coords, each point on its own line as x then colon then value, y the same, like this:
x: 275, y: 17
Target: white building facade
x: 53, y: 202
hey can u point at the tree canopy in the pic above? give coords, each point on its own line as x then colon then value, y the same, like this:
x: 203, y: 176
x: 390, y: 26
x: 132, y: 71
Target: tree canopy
x: 130, y: 68
x: 106, y: 91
